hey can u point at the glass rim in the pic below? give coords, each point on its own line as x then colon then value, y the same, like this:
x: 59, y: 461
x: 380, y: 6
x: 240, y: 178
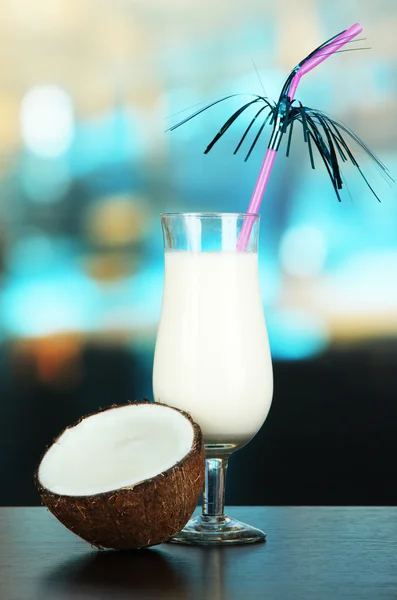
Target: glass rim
x: 209, y: 215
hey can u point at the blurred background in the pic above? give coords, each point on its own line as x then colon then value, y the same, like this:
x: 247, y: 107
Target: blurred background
x: 87, y: 91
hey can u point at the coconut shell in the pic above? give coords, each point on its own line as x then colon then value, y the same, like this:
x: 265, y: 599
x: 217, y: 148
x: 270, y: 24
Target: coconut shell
x: 142, y: 515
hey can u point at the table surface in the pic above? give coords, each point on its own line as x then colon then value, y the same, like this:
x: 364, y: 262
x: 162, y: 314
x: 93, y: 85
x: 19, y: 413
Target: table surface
x: 310, y: 553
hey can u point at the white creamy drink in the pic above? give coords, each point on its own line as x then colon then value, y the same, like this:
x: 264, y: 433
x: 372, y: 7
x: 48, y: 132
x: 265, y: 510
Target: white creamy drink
x: 212, y: 355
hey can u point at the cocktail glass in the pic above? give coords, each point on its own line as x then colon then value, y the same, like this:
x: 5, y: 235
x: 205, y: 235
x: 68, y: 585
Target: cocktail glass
x: 212, y: 356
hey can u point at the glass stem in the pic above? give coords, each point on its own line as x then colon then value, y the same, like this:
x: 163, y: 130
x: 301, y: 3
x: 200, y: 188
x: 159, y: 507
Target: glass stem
x: 214, y: 487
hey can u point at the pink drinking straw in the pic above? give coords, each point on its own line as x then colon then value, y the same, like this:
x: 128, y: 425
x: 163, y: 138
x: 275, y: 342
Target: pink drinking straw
x: 318, y: 57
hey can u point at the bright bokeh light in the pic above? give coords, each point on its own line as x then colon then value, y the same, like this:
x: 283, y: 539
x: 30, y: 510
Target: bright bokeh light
x: 303, y: 251
x: 46, y: 121
x: 296, y: 334
x: 116, y: 220
x: 365, y: 284
x: 63, y: 302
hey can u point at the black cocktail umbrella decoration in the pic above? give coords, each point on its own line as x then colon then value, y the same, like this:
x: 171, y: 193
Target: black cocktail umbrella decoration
x: 320, y: 132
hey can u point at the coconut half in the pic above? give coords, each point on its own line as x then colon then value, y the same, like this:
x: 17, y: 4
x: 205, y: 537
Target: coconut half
x: 125, y: 477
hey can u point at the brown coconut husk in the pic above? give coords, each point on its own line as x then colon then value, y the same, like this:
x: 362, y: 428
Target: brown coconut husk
x: 138, y: 516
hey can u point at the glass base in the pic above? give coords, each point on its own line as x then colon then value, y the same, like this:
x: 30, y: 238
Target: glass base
x: 217, y: 531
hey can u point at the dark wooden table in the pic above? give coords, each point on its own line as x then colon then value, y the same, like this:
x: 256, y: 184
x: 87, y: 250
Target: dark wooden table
x: 311, y: 553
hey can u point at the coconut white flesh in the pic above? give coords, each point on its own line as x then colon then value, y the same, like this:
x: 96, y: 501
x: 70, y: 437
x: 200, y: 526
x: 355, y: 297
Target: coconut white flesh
x: 116, y: 448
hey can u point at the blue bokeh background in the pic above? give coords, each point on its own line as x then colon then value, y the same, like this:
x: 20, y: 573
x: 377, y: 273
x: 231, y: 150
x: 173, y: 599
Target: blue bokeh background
x: 87, y: 92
